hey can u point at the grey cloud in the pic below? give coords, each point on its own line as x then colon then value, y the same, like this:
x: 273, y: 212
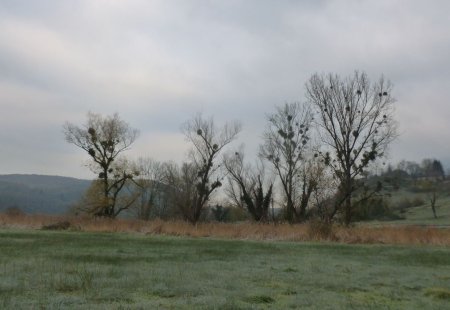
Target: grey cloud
x: 159, y: 62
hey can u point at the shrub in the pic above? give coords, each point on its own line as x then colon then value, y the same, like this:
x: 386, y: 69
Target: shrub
x: 64, y: 225
x: 374, y: 209
x: 320, y: 230
x: 438, y: 292
x: 236, y: 214
x: 260, y: 299
x: 417, y: 201
x: 406, y: 203
x: 220, y: 213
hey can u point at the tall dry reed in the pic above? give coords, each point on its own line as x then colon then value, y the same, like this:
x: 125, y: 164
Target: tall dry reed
x: 408, y: 235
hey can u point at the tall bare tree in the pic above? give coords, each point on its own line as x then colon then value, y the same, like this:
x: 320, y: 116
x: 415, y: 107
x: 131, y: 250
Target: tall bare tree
x: 356, y: 124
x: 202, y: 171
x: 285, y: 143
x: 248, y: 187
x: 104, y: 139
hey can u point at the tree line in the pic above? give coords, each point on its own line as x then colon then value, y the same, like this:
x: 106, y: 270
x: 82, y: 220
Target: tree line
x: 313, y: 160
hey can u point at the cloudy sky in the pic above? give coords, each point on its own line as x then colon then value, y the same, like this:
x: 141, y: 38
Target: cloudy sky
x: 157, y: 63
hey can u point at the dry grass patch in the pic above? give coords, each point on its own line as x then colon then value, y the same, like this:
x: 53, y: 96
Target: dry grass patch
x: 410, y: 235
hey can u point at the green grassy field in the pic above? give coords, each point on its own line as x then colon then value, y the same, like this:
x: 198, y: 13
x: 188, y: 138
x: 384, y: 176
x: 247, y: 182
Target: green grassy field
x: 421, y: 214
x: 79, y: 270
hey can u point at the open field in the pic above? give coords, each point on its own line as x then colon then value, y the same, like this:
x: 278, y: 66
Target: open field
x: 80, y: 270
x: 422, y: 214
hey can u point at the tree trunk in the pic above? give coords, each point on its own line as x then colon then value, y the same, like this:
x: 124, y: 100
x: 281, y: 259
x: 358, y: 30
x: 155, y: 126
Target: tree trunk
x: 308, y: 188
x: 291, y: 214
x: 433, y: 205
x: 348, y: 212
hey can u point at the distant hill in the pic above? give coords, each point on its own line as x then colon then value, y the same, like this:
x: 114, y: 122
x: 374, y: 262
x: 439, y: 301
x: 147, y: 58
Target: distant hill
x: 42, y: 194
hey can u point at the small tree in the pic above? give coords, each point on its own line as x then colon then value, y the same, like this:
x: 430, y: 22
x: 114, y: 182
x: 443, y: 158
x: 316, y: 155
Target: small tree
x: 202, y: 173
x: 104, y: 139
x: 251, y: 192
x: 432, y: 190
x: 356, y: 124
x: 285, y: 143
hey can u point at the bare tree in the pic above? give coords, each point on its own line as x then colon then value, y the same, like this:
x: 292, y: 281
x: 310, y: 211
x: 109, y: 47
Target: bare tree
x: 202, y: 171
x: 104, y: 139
x: 285, y: 143
x: 356, y: 124
x: 247, y: 186
x: 151, y: 189
x: 432, y: 188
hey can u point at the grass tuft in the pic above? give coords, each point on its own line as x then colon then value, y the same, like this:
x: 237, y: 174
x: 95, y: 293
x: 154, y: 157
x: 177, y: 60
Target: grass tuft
x: 259, y: 299
x: 86, y: 278
x: 290, y: 269
x: 289, y: 292
x: 64, y: 225
x: 438, y: 292
x: 164, y: 294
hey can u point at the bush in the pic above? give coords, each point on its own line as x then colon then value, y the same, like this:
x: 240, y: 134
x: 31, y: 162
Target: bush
x: 374, y: 209
x: 57, y: 226
x: 220, y: 214
x: 406, y: 203
x: 402, y: 204
x: 417, y: 201
x: 320, y: 230
x: 236, y: 214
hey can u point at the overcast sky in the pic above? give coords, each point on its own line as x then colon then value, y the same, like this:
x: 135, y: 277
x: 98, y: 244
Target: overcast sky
x: 157, y: 63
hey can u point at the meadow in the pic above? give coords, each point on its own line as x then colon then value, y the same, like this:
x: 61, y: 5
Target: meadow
x: 73, y: 269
